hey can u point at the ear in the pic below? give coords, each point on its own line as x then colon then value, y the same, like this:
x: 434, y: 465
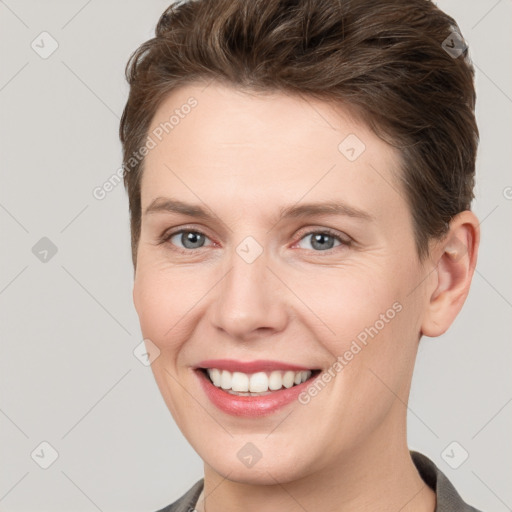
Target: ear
x: 456, y: 256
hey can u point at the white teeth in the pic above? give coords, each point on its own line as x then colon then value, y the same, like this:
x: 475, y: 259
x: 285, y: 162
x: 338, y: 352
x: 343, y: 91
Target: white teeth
x: 240, y: 382
x: 259, y: 382
x: 288, y: 379
x: 215, y: 376
x: 225, y: 379
x: 275, y: 381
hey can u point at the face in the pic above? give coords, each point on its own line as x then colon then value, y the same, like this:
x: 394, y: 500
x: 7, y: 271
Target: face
x: 275, y: 232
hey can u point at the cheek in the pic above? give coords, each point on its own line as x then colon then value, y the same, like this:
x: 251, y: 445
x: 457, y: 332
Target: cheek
x: 151, y: 300
x: 161, y: 300
x: 367, y: 323
x: 162, y: 306
x: 347, y: 301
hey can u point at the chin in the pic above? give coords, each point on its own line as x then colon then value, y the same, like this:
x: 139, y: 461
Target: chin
x: 275, y: 464
x: 269, y: 474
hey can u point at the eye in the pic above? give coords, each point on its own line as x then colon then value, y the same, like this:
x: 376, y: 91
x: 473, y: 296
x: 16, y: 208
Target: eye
x: 321, y: 240
x: 189, y: 239
x: 186, y: 240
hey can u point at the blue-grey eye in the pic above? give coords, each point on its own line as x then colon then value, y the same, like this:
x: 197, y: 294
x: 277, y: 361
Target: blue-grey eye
x: 189, y: 239
x: 320, y: 241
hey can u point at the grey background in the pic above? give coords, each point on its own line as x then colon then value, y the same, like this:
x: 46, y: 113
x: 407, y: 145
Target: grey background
x: 67, y: 369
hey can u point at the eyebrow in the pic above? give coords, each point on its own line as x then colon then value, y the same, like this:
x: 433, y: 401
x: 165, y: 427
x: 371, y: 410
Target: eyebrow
x: 168, y: 205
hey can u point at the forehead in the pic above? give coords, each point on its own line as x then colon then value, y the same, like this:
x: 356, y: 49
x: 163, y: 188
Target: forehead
x: 248, y: 147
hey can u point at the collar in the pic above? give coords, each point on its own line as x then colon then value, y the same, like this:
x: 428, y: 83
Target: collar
x: 447, y: 498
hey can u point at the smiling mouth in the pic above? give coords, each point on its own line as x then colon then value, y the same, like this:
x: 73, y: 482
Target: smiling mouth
x: 258, y: 383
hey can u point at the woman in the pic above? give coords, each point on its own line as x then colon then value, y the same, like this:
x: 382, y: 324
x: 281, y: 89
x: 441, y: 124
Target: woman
x: 300, y: 176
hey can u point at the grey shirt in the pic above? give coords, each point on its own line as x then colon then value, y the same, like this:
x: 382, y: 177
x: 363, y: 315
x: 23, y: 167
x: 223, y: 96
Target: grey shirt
x: 448, y: 499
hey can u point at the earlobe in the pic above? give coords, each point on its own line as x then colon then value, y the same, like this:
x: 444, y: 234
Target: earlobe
x: 456, y: 256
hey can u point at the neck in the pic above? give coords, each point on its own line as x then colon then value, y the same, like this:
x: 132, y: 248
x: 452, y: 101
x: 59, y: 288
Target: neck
x: 377, y: 476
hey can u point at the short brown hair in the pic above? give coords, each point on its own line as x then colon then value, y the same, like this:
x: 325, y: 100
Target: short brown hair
x: 389, y: 60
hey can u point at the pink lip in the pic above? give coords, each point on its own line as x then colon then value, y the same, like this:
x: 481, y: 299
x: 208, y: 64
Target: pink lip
x: 261, y: 365
x: 249, y: 406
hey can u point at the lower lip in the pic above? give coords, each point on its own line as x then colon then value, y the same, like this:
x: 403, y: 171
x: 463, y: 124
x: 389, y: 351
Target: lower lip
x: 250, y: 406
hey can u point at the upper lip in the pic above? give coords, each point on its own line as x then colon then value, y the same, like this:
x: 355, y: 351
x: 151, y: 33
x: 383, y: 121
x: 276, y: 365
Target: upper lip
x: 260, y: 365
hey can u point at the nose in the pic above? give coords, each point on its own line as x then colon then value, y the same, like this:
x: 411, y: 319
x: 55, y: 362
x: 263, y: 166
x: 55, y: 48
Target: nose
x: 250, y: 300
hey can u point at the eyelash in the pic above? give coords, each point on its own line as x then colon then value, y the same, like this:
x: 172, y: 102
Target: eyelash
x: 165, y: 239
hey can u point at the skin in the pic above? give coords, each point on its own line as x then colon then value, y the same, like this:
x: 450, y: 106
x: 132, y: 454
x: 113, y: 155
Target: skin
x: 244, y: 157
